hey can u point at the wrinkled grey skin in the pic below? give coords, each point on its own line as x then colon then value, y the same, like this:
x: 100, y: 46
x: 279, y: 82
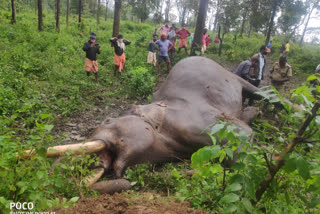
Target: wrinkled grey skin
x: 198, y: 92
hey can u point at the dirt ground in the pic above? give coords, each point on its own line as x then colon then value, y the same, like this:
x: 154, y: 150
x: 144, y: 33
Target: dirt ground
x: 145, y: 203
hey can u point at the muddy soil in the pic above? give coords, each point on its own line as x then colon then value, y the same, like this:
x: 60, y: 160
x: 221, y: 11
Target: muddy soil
x: 145, y: 203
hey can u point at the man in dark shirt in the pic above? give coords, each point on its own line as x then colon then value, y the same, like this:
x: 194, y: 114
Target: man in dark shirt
x: 243, y: 69
x: 152, y: 57
x: 91, y: 49
x: 119, y: 44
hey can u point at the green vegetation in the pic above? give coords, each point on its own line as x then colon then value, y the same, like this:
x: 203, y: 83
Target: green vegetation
x: 42, y: 81
x: 43, y: 72
x: 303, y: 59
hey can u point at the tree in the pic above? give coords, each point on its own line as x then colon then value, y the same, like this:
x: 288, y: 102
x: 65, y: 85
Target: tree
x: 106, y: 13
x: 98, y: 13
x: 116, y: 17
x: 68, y: 11
x: 293, y: 14
x: 58, y: 16
x: 216, y: 19
x: 157, y: 16
x: 182, y: 6
x: 260, y: 14
x: 220, y: 39
x: 274, y: 8
x: 314, y: 4
x: 141, y: 8
x: 245, y: 11
x: 201, y: 21
x: 40, y: 20
x: 13, y: 10
x: 167, y: 10
x: 80, y: 10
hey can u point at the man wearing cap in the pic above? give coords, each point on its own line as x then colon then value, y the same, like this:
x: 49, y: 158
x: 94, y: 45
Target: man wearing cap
x: 119, y: 44
x: 163, y: 46
x: 183, y: 34
x: 281, y: 73
x: 91, y: 49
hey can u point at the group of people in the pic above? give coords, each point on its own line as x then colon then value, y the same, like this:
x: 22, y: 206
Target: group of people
x: 253, y: 70
x: 165, y: 45
x: 92, y: 49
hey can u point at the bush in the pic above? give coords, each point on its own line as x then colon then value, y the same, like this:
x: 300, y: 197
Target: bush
x: 140, y: 82
x: 30, y: 179
x: 302, y: 59
x: 295, y: 186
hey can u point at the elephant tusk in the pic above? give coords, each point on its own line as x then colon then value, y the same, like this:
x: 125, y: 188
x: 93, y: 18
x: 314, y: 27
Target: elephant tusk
x: 79, y: 148
x: 93, y: 178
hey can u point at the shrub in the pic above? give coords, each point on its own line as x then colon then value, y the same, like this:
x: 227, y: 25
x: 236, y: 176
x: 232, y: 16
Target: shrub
x: 140, y: 82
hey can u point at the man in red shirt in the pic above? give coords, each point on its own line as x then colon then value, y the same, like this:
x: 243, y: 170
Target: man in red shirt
x: 183, y: 34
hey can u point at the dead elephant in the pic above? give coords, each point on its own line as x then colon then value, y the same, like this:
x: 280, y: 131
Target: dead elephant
x: 197, y: 92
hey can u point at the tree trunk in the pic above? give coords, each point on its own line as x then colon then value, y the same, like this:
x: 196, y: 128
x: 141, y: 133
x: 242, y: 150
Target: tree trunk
x: 220, y: 39
x: 13, y: 10
x: 167, y: 10
x: 106, y: 14
x: 216, y: 16
x: 55, y: 10
x: 35, y: 7
x: 40, y: 21
x: 201, y: 22
x: 68, y: 11
x: 274, y: 8
x: 116, y: 18
x: 98, y: 13
x: 80, y: 10
x: 183, y: 16
x: 58, y: 16
x: 306, y: 26
x: 243, y: 21
x: 250, y: 29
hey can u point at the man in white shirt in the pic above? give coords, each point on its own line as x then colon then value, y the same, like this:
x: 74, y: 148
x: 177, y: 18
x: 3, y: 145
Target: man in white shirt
x: 258, y: 72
